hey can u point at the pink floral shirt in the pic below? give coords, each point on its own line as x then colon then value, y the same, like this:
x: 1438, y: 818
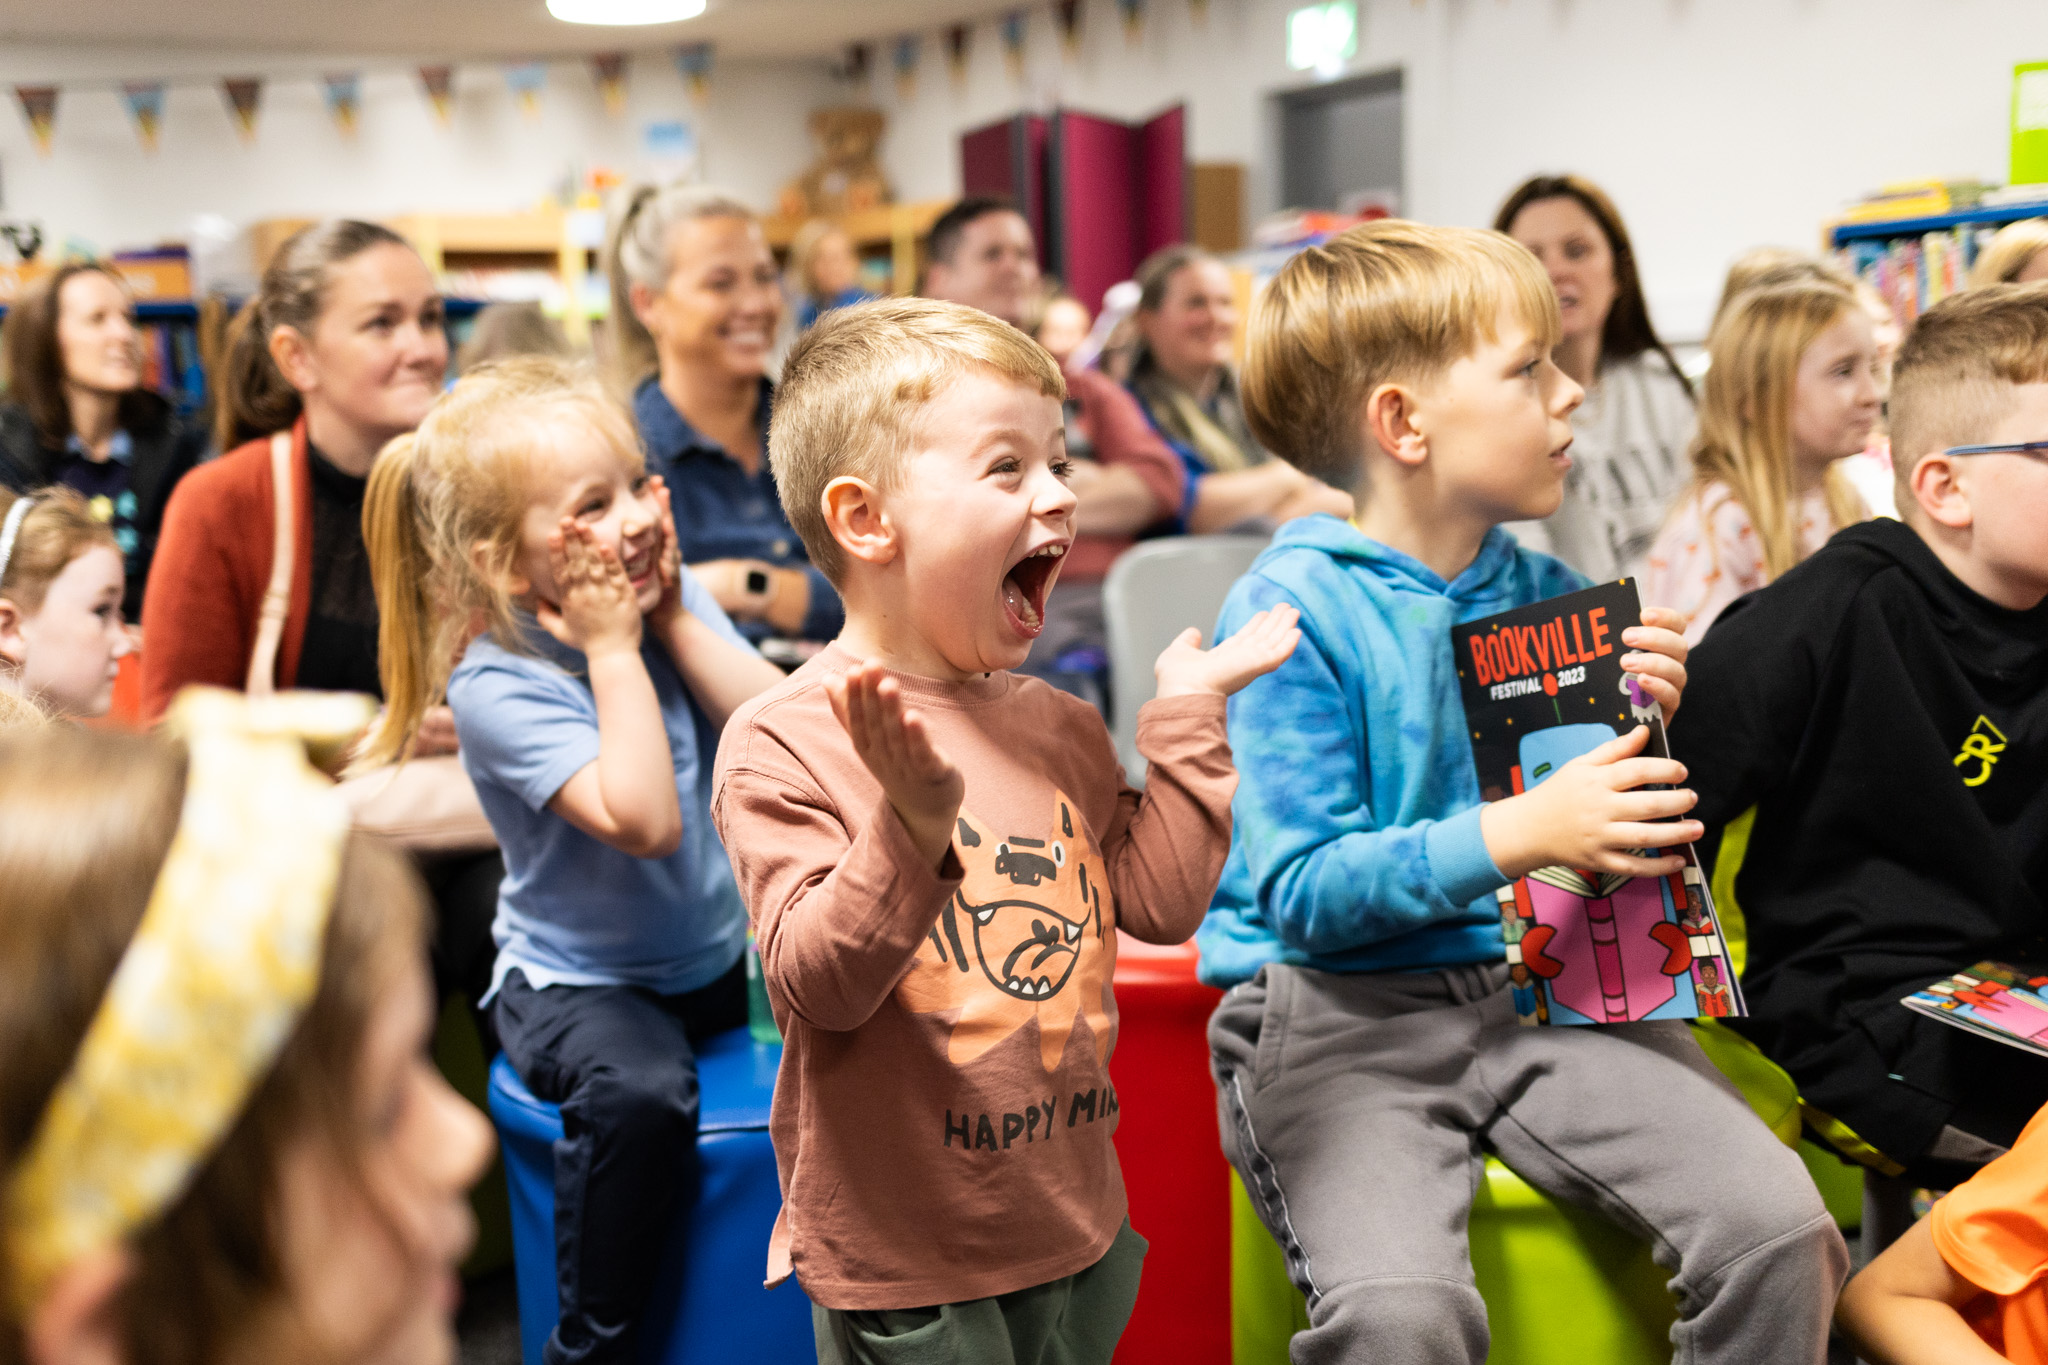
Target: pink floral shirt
x: 1707, y: 555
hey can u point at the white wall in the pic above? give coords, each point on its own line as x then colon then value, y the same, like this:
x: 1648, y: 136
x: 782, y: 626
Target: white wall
x: 100, y: 186
x: 1717, y: 125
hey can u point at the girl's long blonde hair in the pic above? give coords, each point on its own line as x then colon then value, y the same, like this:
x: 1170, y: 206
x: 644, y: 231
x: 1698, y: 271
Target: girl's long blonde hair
x: 1745, y: 416
x: 442, y: 519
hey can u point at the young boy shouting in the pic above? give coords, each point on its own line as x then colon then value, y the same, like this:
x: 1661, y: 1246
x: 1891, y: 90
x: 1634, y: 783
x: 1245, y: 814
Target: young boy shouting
x: 1367, y: 1053
x: 1871, y: 753
x: 937, y: 855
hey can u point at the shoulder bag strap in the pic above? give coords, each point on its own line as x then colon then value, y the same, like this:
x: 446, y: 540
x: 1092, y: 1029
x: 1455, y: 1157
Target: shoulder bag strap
x: 277, y: 595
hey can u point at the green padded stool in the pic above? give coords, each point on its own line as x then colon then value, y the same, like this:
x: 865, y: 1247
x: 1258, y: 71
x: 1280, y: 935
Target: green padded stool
x: 1562, y: 1285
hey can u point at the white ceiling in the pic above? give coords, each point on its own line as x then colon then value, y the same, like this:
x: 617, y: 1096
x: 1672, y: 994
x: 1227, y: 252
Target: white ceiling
x: 758, y: 29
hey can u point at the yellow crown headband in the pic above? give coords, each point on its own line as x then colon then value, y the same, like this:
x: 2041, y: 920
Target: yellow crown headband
x: 223, y: 964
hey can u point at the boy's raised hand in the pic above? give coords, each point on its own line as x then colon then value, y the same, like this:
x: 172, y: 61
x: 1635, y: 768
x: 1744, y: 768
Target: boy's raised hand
x: 1658, y: 656
x: 597, y: 611
x: 923, y: 786
x: 1590, y: 814
x: 1260, y: 645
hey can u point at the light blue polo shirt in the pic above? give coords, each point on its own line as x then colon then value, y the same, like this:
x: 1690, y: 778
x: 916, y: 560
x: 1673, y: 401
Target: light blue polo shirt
x: 573, y: 910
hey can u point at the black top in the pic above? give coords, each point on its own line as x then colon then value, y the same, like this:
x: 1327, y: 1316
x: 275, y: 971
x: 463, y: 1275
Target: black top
x: 340, y: 649
x: 1890, y: 728
x: 161, y: 449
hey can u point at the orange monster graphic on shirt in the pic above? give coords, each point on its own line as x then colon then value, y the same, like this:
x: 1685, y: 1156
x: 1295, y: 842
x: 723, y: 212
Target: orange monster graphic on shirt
x: 1030, y: 934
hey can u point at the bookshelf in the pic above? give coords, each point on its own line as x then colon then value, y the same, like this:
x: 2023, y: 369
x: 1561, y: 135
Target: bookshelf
x: 1915, y: 262
x: 894, y: 233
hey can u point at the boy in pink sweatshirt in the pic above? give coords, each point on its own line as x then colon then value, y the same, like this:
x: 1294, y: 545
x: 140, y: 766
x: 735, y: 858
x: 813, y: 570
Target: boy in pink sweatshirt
x: 937, y: 855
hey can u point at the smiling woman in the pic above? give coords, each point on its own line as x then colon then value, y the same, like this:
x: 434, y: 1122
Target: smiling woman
x: 696, y: 301
x: 81, y: 416
x: 1630, y: 435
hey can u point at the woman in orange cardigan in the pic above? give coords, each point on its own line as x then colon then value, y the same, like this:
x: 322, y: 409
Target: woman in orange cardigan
x: 341, y: 349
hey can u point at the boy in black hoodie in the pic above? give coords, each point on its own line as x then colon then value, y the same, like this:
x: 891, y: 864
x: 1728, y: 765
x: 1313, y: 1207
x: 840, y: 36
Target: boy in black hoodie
x: 1869, y: 740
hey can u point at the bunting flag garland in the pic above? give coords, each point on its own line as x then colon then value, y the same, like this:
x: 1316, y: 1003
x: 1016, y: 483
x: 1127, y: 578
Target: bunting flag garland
x: 439, y: 82
x: 1015, y: 28
x: 244, y: 95
x: 694, y: 61
x: 609, y: 71
x: 859, y: 57
x: 1069, y: 14
x: 1198, y: 10
x: 1133, y: 12
x: 39, y: 107
x: 526, y: 80
x: 344, y: 99
x: 145, y: 101
x: 957, y: 39
x: 908, y: 48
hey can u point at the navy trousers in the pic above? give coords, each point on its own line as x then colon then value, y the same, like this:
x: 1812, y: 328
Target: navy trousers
x: 620, y: 1062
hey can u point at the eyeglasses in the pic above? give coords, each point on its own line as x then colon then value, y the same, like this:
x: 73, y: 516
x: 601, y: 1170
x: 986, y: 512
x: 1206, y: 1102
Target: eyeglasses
x: 2033, y: 450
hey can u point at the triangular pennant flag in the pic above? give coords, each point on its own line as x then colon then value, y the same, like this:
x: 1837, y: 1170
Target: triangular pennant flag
x: 39, y: 106
x: 854, y: 67
x: 957, y: 40
x: 245, y: 94
x: 694, y: 61
x: 526, y: 80
x: 344, y: 100
x: 440, y: 86
x: 1016, y: 25
x: 1069, y: 14
x: 1199, y: 11
x: 609, y: 71
x: 145, y: 101
x: 1133, y: 12
x: 907, y: 51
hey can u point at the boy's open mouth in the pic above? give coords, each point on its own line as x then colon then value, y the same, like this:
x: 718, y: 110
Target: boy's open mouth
x: 1028, y: 583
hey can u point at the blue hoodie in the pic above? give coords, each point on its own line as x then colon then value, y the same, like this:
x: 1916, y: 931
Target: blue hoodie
x: 1354, y: 843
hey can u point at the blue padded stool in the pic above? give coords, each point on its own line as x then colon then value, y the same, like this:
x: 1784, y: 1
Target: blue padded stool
x: 708, y: 1303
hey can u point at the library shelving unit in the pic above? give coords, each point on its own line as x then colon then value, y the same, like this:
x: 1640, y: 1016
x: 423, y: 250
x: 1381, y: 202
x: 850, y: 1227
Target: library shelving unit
x: 894, y: 233
x: 1916, y: 262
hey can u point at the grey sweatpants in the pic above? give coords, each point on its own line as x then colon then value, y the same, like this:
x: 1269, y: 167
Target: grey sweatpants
x: 1357, y: 1110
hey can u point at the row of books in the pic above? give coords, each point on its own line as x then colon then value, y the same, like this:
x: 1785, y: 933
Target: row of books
x: 1912, y: 274
x: 170, y: 363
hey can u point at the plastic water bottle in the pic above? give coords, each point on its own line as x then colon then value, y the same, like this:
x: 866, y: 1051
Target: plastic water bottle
x: 760, y: 1019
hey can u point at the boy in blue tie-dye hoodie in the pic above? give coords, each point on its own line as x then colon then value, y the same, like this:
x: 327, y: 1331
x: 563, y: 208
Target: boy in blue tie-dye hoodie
x: 1368, y: 1054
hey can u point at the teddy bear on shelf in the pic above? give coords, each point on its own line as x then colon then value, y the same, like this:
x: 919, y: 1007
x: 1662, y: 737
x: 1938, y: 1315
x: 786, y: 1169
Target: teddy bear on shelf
x: 847, y: 176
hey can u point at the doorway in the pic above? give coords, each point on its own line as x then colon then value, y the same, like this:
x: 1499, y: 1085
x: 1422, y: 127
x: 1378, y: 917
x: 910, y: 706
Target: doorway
x: 1340, y: 144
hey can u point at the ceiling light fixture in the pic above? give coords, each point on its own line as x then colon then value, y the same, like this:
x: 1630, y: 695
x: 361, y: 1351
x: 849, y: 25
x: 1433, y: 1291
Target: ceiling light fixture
x: 623, y: 12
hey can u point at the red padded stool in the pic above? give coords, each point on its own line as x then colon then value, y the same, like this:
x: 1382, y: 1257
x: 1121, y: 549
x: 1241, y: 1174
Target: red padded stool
x: 1173, y: 1161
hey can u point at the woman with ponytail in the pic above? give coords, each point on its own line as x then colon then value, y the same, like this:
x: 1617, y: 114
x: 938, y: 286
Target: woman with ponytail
x: 262, y: 580
x: 588, y: 707
x: 695, y: 306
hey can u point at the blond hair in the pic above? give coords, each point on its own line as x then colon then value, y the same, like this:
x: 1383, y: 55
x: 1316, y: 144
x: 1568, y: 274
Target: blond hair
x: 854, y: 385
x: 1390, y: 300
x: 442, y: 520
x: 1745, y: 417
x: 642, y: 252
x: 1766, y: 266
x: 2009, y: 251
x: 1953, y: 381
x: 57, y: 528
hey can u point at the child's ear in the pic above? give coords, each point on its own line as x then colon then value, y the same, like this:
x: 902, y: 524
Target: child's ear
x: 1390, y: 424
x: 855, y: 517
x: 76, y: 1322
x: 485, y: 559
x: 13, y: 645
x: 1940, y: 493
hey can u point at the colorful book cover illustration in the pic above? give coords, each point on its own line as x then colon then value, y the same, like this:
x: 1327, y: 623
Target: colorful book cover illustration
x: 1542, y: 685
x: 1996, y: 1001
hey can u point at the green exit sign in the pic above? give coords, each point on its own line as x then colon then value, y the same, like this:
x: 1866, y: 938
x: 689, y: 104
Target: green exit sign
x: 1321, y: 38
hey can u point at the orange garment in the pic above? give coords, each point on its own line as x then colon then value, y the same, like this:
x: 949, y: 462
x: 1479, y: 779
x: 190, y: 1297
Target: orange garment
x: 1993, y: 1231
x: 944, y: 1112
